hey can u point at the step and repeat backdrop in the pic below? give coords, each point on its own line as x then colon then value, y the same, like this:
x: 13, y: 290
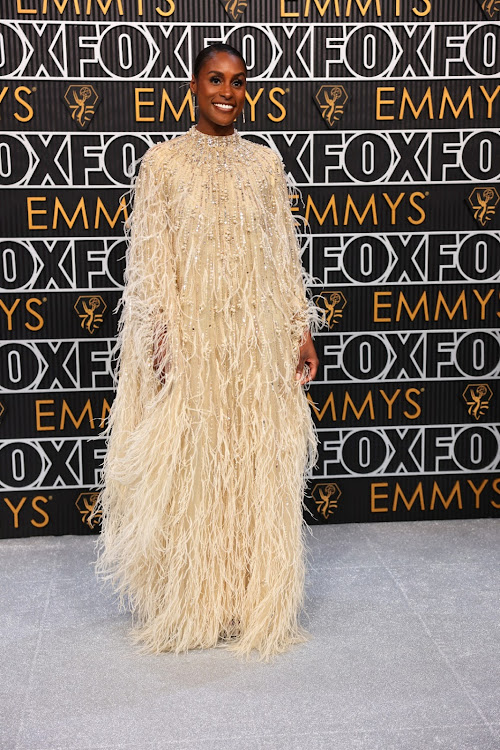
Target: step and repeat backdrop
x: 386, y: 113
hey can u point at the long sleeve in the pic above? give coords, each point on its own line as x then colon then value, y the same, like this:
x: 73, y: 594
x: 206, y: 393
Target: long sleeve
x: 306, y: 315
x: 149, y: 320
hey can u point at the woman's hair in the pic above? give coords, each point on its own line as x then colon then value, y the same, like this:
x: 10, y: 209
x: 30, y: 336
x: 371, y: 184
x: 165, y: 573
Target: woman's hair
x: 211, y: 50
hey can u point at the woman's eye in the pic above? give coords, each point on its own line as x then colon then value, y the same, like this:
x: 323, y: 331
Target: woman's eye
x: 238, y: 82
x: 214, y: 79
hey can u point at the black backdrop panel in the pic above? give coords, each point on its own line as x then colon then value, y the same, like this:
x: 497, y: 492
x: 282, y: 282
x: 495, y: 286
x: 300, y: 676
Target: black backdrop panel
x: 386, y: 114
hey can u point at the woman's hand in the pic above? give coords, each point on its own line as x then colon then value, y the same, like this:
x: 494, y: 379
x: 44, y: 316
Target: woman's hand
x: 308, y: 361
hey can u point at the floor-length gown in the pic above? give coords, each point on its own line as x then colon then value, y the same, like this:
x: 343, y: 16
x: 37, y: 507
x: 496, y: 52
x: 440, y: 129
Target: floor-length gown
x: 208, y: 454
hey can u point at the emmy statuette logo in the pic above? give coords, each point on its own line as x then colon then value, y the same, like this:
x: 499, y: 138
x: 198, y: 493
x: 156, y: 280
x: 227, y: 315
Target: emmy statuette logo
x: 82, y: 101
x: 326, y: 497
x: 90, y: 310
x: 491, y: 8
x: 331, y: 100
x: 477, y: 397
x: 235, y: 8
x: 85, y: 503
x: 334, y: 304
x: 484, y: 202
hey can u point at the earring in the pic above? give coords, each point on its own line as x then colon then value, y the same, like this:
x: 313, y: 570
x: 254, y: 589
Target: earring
x: 193, y: 97
x: 243, y: 113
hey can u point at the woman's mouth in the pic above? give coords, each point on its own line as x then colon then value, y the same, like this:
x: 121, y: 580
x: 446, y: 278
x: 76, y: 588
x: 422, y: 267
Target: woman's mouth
x: 223, y: 107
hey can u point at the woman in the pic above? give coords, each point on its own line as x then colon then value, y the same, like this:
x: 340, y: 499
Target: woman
x: 210, y: 437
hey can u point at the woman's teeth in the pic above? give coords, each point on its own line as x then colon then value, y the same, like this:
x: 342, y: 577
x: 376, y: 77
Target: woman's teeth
x: 225, y: 107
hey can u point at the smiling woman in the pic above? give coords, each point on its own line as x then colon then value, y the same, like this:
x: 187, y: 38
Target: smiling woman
x: 219, y: 82
x: 210, y: 436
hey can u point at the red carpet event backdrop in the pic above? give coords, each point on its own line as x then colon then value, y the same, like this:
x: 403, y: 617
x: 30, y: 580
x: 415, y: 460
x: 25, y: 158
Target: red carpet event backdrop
x: 386, y: 113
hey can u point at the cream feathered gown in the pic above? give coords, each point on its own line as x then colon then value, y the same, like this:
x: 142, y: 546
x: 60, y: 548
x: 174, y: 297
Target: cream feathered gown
x: 203, y: 479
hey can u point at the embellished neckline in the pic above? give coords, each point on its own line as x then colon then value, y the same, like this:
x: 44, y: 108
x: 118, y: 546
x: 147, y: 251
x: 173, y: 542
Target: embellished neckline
x: 214, y: 140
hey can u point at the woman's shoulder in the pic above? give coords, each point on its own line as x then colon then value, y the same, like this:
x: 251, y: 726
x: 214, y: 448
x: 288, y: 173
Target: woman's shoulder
x: 267, y: 158
x: 160, y: 151
x: 264, y: 151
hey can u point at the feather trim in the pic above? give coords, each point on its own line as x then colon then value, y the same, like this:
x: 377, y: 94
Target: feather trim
x: 208, y: 454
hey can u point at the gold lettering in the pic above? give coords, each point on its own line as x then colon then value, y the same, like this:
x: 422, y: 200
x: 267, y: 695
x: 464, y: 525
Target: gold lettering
x: 166, y: 13
x: 32, y: 211
x: 138, y: 102
x: 482, y: 301
x: 412, y: 314
x: 321, y: 219
x: 418, y: 408
x: 58, y: 208
x: 330, y: 402
x: 9, y: 311
x: 413, y: 198
x: 17, y: 96
x: 35, y: 313
x: 426, y: 99
x: 489, y: 99
x: 87, y: 410
x: 441, y: 302
x: 277, y: 103
x: 477, y: 491
x: 43, y: 513
x: 377, y: 305
x: 350, y: 205
x: 409, y: 503
x: 389, y: 401
x: 428, y: 8
x: 111, y: 221
x: 187, y: 101
x: 15, y: 510
x: 424, y: 105
x: 393, y: 206
x: 456, y: 111
x: 374, y: 496
x: 446, y: 502
x: 368, y: 402
x: 253, y: 102
x: 383, y: 102
x: 43, y: 414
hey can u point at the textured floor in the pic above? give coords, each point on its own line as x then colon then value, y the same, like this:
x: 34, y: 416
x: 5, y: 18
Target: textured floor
x: 405, y: 653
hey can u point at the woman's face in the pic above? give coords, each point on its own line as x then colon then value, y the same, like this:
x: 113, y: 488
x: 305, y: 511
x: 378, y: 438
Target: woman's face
x: 220, y: 90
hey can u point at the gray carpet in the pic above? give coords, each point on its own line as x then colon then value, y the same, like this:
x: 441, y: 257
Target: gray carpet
x: 405, y: 653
